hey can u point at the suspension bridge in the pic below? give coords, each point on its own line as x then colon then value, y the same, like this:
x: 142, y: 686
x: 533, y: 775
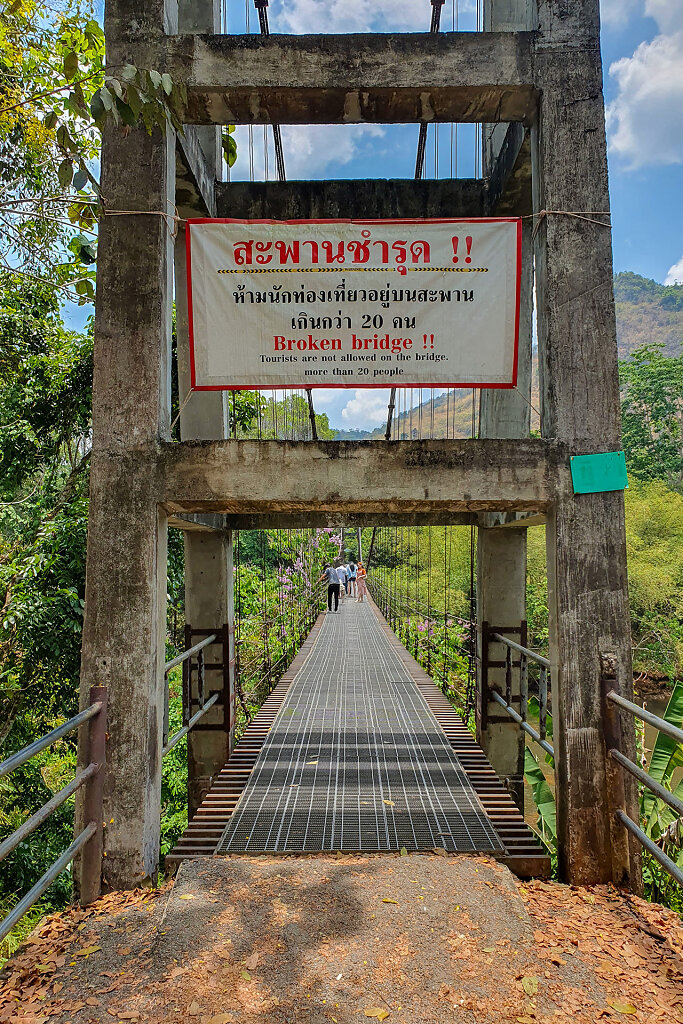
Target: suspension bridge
x: 356, y: 749
x: 353, y: 742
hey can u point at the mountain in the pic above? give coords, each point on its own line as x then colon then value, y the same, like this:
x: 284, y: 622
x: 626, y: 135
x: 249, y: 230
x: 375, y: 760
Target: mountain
x: 647, y: 313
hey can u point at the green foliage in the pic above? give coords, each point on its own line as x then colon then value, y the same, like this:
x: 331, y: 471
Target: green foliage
x: 55, y: 99
x: 544, y: 798
x: 654, y: 539
x: 652, y: 415
x: 657, y: 819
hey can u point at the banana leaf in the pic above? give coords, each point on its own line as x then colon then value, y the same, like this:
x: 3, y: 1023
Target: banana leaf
x: 543, y: 798
x: 667, y: 755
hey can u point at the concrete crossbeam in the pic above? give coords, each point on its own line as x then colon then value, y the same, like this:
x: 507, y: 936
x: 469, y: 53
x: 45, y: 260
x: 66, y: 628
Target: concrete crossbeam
x: 360, y: 478
x: 293, y: 200
x: 192, y: 523
x: 349, y: 79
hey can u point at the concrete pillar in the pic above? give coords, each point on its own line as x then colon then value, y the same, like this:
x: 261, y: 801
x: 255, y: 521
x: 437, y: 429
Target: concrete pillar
x: 501, y: 551
x: 203, y: 16
x: 125, y: 608
x: 209, y: 600
x: 208, y: 603
x: 588, y: 596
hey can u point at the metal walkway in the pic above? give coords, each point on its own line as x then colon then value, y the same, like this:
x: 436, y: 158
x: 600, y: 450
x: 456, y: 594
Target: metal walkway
x: 355, y: 759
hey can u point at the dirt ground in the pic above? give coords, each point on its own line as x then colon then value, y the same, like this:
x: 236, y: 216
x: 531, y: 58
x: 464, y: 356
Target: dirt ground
x: 419, y: 939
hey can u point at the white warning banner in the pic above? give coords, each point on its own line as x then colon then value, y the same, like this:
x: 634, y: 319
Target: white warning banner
x: 410, y: 303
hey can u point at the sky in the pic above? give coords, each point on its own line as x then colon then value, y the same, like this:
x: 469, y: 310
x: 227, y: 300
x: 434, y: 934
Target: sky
x: 642, y: 49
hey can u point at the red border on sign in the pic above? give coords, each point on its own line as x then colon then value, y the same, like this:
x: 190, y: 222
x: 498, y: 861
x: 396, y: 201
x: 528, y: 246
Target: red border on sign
x: 352, y: 220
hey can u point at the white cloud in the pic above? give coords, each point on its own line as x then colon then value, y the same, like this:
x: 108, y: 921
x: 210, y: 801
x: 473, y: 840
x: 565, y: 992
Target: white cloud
x: 616, y: 13
x: 667, y: 13
x: 675, y: 275
x: 323, y: 396
x: 646, y: 118
x: 303, y: 16
x: 367, y: 409
x: 310, y: 150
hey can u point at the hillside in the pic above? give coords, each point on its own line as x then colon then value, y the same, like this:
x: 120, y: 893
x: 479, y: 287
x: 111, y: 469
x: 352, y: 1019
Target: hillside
x: 647, y: 313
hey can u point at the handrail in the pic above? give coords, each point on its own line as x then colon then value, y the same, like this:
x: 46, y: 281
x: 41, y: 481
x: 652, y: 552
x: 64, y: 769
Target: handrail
x: 658, y: 723
x: 524, y: 725
x: 26, y: 753
x: 189, y: 652
x: 532, y: 655
x: 46, y: 810
x: 655, y: 787
x: 46, y: 881
x: 664, y: 794
x: 186, y: 728
x: 90, y: 776
x: 651, y: 847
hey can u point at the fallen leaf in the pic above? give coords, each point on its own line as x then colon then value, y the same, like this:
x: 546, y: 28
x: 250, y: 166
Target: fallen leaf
x: 389, y: 803
x: 621, y: 1006
x: 395, y: 902
x: 187, y: 896
x: 224, y: 954
x: 124, y: 951
x: 489, y: 949
x: 130, y: 1015
x: 91, y: 1001
x: 87, y: 950
x: 194, y: 1009
x: 530, y: 986
x: 219, y: 1018
x: 377, y: 1012
x: 404, y: 852
x: 251, y: 962
x: 246, y: 975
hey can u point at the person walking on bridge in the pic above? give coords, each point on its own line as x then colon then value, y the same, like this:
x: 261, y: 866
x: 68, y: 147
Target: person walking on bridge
x: 361, y: 575
x: 342, y: 574
x: 330, y: 574
x: 351, y: 588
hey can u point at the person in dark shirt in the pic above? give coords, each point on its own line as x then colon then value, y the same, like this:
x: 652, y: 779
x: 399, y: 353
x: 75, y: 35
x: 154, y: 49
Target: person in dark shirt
x: 330, y: 574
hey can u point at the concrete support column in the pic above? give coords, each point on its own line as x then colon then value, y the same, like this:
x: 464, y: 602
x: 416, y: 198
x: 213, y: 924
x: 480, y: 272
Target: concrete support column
x: 501, y: 602
x: 209, y: 599
x: 501, y: 551
x: 125, y: 609
x: 588, y: 596
x: 208, y: 603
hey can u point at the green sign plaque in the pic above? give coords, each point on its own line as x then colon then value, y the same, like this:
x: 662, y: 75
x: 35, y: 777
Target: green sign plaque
x: 594, y: 473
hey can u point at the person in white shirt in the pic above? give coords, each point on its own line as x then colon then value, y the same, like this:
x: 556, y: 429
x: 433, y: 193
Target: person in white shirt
x: 342, y: 575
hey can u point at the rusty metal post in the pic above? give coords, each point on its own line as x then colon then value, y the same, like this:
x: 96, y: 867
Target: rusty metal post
x: 483, y: 695
x: 90, y: 865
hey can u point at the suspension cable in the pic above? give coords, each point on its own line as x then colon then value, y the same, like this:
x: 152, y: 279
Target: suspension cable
x: 422, y: 139
x: 262, y: 8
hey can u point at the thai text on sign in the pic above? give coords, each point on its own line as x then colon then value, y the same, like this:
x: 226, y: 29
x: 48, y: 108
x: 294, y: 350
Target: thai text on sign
x: 412, y: 303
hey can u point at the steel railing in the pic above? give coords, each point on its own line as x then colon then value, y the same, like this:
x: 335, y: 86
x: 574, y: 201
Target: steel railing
x: 505, y: 701
x: 189, y: 720
x: 615, y: 700
x: 89, y: 840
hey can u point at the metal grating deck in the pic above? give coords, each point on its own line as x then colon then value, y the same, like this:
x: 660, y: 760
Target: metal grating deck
x: 356, y: 760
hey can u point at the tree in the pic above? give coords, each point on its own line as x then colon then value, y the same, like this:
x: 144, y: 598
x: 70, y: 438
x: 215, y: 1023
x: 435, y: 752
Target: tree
x: 55, y: 96
x: 652, y: 415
